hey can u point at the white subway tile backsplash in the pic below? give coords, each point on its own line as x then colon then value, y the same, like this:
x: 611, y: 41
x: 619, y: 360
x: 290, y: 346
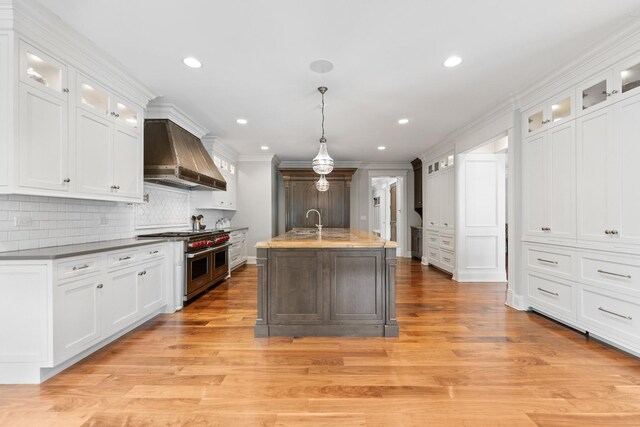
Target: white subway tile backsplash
x: 18, y: 235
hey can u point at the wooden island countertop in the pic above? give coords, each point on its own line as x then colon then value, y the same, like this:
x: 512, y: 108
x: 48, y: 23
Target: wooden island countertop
x: 301, y: 238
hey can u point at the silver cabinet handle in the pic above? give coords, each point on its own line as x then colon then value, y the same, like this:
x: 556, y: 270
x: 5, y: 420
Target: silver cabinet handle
x: 614, y: 232
x: 548, y: 261
x: 626, y: 276
x: 124, y: 258
x: 142, y: 273
x: 65, y: 90
x: 153, y: 252
x: 67, y: 180
x: 615, y: 314
x: 100, y: 286
x: 81, y: 267
x: 548, y: 292
x: 446, y: 225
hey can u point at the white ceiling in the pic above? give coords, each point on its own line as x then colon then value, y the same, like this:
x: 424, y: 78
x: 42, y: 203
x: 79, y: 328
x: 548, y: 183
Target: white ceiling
x: 387, y: 55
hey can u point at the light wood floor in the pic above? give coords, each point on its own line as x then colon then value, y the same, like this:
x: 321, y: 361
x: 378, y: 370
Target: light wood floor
x: 463, y: 358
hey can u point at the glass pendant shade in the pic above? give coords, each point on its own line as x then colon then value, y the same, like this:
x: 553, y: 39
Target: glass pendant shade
x: 322, y: 163
x: 322, y: 184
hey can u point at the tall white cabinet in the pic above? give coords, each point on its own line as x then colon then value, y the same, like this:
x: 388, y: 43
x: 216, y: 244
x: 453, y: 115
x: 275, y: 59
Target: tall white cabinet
x: 71, y: 122
x: 581, y: 209
x: 439, y: 206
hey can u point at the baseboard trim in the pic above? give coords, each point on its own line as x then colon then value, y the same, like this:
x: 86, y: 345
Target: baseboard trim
x: 251, y: 260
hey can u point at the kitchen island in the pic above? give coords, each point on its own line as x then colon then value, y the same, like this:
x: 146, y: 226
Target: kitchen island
x: 339, y: 282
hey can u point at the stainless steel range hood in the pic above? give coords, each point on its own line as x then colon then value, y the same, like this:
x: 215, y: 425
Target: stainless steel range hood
x: 177, y: 158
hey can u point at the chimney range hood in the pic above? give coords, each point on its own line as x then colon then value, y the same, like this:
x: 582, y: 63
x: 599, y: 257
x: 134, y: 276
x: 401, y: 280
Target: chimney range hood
x: 177, y: 158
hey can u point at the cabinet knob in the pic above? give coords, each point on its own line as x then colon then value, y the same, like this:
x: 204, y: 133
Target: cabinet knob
x: 142, y: 273
x: 113, y: 113
x: 100, y: 286
x: 65, y: 90
x: 446, y: 225
x: 614, y: 232
x: 66, y: 180
x: 607, y: 231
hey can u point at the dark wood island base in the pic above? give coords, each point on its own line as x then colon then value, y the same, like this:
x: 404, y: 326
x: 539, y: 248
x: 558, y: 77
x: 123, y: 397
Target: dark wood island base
x: 337, y: 283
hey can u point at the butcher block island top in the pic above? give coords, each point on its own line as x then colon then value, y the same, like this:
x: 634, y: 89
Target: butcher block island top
x: 329, y: 238
x: 340, y: 282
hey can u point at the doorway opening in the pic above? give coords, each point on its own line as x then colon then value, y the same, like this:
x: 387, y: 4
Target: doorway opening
x: 386, y: 203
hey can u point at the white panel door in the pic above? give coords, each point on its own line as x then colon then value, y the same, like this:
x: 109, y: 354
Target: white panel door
x: 93, y: 153
x: 433, y: 201
x: 627, y: 134
x: 597, y: 166
x: 78, y: 317
x: 121, y: 295
x: 150, y: 288
x: 561, y: 172
x: 535, y: 181
x: 480, y: 240
x: 446, y: 186
x: 127, y: 162
x: 43, y: 140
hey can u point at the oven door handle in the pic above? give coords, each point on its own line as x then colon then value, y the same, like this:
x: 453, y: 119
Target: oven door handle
x: 215, y: 248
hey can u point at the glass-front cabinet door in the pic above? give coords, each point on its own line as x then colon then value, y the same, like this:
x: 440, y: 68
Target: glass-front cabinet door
x: 562, y: 110
x: 127, y: 116
x: 42, y: 71
x: 556, y: 110
x: 535, y: 120
x: 627, y: 77
x: 92, y: 97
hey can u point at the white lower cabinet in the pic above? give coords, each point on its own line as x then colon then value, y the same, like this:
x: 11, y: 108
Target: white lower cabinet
x: 238, y: 249
x: 78, y: 323
x: 441, y: 249
x: 64, y: 309
x: 593, y: 291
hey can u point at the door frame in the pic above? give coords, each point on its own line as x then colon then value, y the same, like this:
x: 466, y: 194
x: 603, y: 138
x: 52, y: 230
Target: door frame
x: 402, y: 220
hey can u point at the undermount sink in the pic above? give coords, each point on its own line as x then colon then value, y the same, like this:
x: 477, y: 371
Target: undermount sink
x: 305, y: 232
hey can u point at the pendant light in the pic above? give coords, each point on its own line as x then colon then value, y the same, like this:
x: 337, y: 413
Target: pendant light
x: 322, y: 163
x: 322, y: 184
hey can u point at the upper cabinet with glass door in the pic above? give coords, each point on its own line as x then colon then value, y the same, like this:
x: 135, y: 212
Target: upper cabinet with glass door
x: 609, y: 87
x: 557, y: 110
x: 93, y: 97
x: 127, y: 115
x: 42, y: 71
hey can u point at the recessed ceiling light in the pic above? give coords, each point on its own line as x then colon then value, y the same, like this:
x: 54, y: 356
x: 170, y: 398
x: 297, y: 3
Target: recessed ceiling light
x: 264, y: 147
x: 403, y: 121
x: 192, y: 62
x: 382, y: 147
x: 452, y: 61
x: 241, y: 121
x: 321, y: 66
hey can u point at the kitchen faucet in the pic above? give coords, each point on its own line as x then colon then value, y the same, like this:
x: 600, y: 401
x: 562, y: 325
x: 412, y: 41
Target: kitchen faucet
x: 319, y: 219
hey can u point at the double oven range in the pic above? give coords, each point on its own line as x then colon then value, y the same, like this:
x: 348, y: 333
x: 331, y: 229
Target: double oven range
x: 206, y: 258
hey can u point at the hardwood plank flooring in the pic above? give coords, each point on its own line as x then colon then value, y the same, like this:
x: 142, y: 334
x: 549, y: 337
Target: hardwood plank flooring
x: 462, y: 358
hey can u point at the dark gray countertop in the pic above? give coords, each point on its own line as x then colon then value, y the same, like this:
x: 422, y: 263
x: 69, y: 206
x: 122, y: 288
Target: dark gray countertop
x: 55, y: 252
x: 230, y: 229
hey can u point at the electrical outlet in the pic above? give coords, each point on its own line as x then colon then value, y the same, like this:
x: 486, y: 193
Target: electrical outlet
x: 104, y: 220
x: 23, y: 221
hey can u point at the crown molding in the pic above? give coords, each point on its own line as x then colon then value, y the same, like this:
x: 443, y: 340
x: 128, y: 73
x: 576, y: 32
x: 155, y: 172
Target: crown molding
x: 219, y: 147
x: 267, y: 157
x: 306, y: 164
x: 6, y: 15
x: 33, y: 21
x: 159, y: 110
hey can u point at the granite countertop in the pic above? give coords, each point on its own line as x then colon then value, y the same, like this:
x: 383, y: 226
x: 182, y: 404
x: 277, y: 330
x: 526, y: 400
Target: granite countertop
x: 56, y: 252
x: 329, y: 238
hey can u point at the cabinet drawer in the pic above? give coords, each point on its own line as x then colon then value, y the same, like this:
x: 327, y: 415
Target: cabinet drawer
x: 618, y: 316
x: 551, y: 295
x: 235, y: 260
x: 152, y: 252
x: 123, y: 258
x: 447, y: 258
x: 234, y: 250
x: 614, y: 272
x: 236, y: 236
x: 447, y: 241
x: 550, y: 261
x: 78, y: 267
x: 433, y: 254
x: 433, y: 239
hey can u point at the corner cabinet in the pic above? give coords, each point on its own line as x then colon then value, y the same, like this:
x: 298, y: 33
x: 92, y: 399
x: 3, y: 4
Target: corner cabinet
x: 76, y: 134
x: 223, y: 200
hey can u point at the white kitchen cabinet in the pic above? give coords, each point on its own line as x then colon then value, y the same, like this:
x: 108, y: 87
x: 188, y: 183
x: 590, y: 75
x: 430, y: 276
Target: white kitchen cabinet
x: 94, y: 153
x: 127, y: 163
x: 554, y: 112
x: 43, y: 141
x: 238, y: 249
x: 447, y: 200
x: 150, y: 289
x: 121, y: 294
x: 78, y: 316
x: 433, y: 201
x: 42, y: 71
x: 608, y: 175
x: 549, y: 183
x: 611, y: 86
x: 439, y: 204
x: 224, y: 200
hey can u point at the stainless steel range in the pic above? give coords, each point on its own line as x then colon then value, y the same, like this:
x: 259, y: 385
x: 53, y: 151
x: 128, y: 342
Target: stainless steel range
x: 206, y: 258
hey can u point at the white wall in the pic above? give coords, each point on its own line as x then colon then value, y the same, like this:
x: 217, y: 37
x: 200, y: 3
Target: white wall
x: 257, y: 199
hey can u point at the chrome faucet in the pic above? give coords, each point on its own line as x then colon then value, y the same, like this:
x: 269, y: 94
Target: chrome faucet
x: 319, y: 219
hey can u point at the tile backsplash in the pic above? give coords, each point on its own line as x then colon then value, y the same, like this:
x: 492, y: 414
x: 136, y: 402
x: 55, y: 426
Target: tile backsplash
x: 165, y: 208
x: 28, y: 222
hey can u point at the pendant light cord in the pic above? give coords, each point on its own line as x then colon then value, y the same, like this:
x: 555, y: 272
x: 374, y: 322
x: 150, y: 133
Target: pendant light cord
x: 322, y: 114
